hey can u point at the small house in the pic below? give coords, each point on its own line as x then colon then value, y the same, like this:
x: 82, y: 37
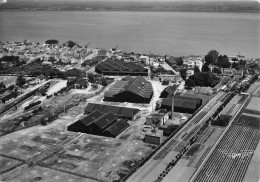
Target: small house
x: 154, y: 136
x: 40, y: 79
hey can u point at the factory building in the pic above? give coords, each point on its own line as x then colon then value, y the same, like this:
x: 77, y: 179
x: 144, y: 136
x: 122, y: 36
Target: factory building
x: 182, y: 104
x: 119, y: 67
x: 129, y: 89
x: 120, y: 112
x: 154, y: 136
x: 157, y: 119
x: 98, y: 123
x: 169, y: 91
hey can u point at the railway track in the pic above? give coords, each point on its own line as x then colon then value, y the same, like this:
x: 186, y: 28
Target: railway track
x: 39, y: 157
x: 202, y: 115
x: 205, y: 172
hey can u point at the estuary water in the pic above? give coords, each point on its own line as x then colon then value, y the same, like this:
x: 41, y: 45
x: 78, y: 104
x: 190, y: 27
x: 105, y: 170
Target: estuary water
x: 173, y: 33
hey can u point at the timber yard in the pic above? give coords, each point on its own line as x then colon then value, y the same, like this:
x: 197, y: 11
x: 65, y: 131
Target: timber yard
x: 74, y: 113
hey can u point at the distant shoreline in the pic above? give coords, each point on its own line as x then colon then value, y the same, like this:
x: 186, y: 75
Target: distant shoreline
x: 155, y: 6
x: 108, y: 10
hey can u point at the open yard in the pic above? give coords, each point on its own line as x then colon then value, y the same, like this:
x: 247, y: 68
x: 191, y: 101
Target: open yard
x: 89, y: 158
x: 8, y: 80
x: 7, y: 163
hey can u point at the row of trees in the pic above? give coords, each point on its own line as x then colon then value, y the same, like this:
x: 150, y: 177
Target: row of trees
x: 206, y: 79
x: 222, y: 61
x: 69, y: 43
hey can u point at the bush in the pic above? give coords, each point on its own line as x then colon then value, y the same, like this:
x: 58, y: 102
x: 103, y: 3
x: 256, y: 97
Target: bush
x: 222, y: 120
x: 20, y: 81
x: 51, y: 41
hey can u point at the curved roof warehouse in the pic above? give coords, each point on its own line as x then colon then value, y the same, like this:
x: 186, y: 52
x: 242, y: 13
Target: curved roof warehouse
x: 129, y: 89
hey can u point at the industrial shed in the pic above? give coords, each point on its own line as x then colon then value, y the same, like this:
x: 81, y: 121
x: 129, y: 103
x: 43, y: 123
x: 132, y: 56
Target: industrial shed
x: 122, y: 112
x: 115, y: 129
x: 129, y: 89
x: 102, y: 123
x: 83, y: 124
x: 98, y: 123
x: 119, y: 67
x: 169, y: 91
x: 182, y: 104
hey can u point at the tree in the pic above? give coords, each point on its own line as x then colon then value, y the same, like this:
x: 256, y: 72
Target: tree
x: 2, y: 85
x: 211, y: 57
x: 183, y: 73
x: 52, y: 73
x: 234, y: 59
x: 196, y: 69
x: 190, y: 83
x: 103, y: 81
x: 242, y: 62
x: 52, y: 59
x: 152, y: 76
x: 179, y: 61
x: 216, y: 70
x: 20, y: 81
x: 204, y: 79
x: 51, y: 41
x: 235, y: 65
x: 223, y: 62
x: 70, y: 44
x: 91, y: 78
x: 205, y: 68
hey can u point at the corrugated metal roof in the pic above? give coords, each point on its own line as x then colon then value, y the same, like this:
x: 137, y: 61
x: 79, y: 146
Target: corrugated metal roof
x: 182, y: 102
x: 89, y: 119
x: 116, y: 128
x: 120, y: 111
x: 105, y: 120
x: 118, y: 65
x: 136, y: 85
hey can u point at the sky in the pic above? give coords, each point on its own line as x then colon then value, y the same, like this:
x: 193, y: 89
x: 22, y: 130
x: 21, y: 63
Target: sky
x: 122, y: 0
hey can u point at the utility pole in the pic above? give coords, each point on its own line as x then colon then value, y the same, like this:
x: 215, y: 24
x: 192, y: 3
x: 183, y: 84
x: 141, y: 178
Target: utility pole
x: 172, y: 106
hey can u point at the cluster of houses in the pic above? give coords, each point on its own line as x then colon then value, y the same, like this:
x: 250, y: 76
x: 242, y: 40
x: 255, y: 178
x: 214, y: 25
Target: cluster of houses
x: 63, y: 57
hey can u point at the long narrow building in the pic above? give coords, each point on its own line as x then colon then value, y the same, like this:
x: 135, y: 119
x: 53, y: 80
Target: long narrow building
x: 119, y: 67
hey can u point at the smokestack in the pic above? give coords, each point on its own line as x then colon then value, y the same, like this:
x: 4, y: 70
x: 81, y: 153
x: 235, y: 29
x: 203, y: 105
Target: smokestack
x: 172, y: 105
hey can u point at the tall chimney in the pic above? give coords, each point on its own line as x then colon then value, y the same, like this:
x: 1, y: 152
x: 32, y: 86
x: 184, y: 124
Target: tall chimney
x: 172, y: 106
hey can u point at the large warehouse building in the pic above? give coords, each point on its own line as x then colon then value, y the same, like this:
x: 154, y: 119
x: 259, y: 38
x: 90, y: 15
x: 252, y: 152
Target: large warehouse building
x: 121, y: 112
x: 98, y: 123
x: 129, y: 89
x: 182, y: 104
x: 118, y: 67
